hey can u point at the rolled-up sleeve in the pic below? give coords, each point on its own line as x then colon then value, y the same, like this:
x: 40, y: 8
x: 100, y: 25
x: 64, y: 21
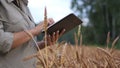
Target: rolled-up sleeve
x: 6, y: 39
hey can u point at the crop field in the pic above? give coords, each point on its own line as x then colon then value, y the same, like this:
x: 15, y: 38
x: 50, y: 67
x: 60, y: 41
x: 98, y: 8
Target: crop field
x: 64, y: 55
x: 68, y: 56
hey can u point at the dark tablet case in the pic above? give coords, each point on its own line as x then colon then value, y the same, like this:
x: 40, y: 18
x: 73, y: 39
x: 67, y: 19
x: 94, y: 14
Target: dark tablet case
x: 69, y: 22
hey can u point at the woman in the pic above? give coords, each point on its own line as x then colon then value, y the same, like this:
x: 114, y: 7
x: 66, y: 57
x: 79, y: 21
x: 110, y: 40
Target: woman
x: 15, y: 43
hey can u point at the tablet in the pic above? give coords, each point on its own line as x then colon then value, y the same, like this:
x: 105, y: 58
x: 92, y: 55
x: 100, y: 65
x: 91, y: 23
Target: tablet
x: 68, y: 23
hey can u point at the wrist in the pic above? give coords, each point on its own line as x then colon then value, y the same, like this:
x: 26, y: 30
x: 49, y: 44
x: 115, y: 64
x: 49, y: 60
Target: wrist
x: 33, y: 32
x: 37, y: 30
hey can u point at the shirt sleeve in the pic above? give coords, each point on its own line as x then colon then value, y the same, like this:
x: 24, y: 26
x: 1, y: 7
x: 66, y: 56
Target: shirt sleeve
x: 6, y: 38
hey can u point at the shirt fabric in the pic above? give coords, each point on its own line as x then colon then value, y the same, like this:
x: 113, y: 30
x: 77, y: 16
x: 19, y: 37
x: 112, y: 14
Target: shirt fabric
x: 14, y: 19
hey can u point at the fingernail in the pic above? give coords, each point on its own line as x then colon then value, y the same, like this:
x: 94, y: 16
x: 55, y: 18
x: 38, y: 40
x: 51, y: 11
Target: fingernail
x: 58, y: 31
x: 64, y: 29
x: 54, y: 33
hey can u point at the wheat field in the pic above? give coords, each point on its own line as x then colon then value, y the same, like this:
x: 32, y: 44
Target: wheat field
x: 65, y: 55
x: 68, y: 56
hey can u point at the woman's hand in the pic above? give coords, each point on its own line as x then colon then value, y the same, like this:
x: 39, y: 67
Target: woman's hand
x: 50, y: 21
x: 51, y: 40
x: 37, y: 30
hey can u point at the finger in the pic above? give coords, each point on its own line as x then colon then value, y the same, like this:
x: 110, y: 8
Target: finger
x: 50, y: 21
x: 49, y: 40
x: 53, y: 37
x: 61, y: 33
x: 57, y: 35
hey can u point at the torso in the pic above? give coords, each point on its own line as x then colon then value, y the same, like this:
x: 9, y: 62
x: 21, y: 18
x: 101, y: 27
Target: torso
x: 16, y: 20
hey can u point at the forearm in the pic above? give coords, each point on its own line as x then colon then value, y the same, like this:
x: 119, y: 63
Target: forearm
x: 22, y: 37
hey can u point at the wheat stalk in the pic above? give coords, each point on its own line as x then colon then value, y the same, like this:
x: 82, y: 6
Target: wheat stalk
x: 45, y: 28
x: 108, y: 39
x: 114, y: 42
x: 39, y: 51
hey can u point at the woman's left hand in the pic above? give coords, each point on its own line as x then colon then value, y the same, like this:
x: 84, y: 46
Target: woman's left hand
x: 51, y: 40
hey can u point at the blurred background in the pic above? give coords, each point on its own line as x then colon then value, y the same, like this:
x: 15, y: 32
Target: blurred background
x: 56, y: 9
x: 99, y: 17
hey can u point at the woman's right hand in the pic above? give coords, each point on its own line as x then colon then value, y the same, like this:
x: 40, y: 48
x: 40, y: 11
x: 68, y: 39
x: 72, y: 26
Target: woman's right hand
x: 38, y: 29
